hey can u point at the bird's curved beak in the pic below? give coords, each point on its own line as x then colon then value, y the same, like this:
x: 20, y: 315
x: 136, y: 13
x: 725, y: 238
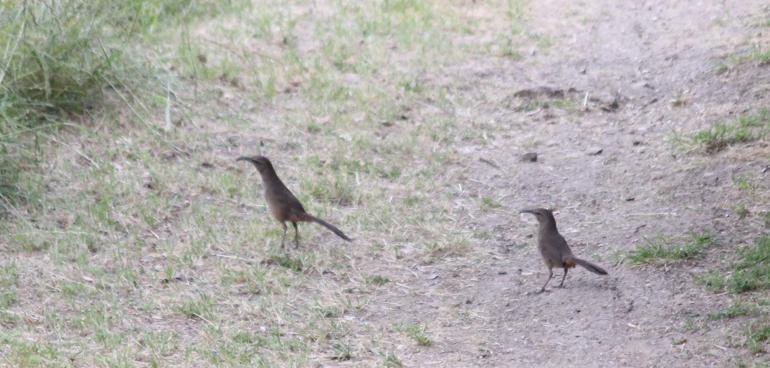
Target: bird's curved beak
x: 244, y: 158
x: 527, y: 211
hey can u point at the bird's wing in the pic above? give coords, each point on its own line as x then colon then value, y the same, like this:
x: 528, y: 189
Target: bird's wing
x: 555, y: 250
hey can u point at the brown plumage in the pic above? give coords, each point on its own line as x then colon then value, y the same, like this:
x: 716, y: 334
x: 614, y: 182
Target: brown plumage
x: 282, y: 203
x: 554, y: 248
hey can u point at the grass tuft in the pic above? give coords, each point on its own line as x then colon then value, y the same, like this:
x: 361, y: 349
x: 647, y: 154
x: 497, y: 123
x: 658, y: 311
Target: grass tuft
x: 751, y: 273
x: 760, y: 54
x: 342, y: 351
x: 490, y: 202
x: 417, y: 332
x: 756, y: 335
x: 8, y: 279
x: 663, y: 251
x: 765, y: 215
x: 377, y: 280
x: 721, y: 134
x: 391, y: 360
x: 737, y: 309
x: 295, y: 265
x: 202, y: 306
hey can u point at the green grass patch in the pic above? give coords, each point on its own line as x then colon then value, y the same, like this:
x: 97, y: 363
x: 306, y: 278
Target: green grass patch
x: 20, y: 352
x: 750, y: 273
x: 742, y: 182
x: 377, y: 280
x: 760, y: 54
x: 490, y: 202
x: 390, y: 360
x: 294, y: 264
x: 201, y: 306
x: 342, y: 350
x: 665, y: 251
x: 8, y: 278
x: 737, y: 309
x: 757, y: 334
x: 721, y: 134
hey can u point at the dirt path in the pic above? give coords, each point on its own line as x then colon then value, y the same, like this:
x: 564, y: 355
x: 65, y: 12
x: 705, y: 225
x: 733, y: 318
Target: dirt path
x: 400, y: 122
x: 647, y: 55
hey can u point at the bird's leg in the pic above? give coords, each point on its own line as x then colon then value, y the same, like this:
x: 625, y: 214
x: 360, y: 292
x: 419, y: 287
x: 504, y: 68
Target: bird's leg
x: 550, y: 275
x: 561, y: 284
x: 296, y: 234
x: 283, y: 240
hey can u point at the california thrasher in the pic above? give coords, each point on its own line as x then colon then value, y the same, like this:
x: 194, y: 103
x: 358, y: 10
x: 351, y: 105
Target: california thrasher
x: 282, y: 203
x: 554, y: 248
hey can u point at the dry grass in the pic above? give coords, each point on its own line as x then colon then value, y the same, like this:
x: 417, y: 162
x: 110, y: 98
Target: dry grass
x: 146, y: 244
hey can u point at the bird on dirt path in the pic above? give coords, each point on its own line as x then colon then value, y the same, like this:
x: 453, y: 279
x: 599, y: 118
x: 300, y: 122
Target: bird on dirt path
x: 282, y: 203
x: 554, y: 248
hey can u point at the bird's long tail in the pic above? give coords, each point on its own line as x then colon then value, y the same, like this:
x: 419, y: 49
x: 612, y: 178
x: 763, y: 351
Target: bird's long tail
x: 330, y: 227
x: 589, y: 266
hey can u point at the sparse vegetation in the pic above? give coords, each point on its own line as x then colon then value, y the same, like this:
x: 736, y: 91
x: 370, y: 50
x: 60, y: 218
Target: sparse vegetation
x: 115, y: 166
x: 765, y: 215
x: 666, y: 251
x: 377, y: 280
x: 750, y: 273
x: 8, y: 278
x: 391, y: 361
x: 756, y: 336
x: 417, y: 332
x: 342, y: 350
x: 760, y: 54
x: 490, y: 202
x: 742, y: 182
x: 745, y: 128
x: 756, y: 53
x: 680, y: 98
x: 739, y: 308
x: 741, y: 210
x: 201, y: 306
